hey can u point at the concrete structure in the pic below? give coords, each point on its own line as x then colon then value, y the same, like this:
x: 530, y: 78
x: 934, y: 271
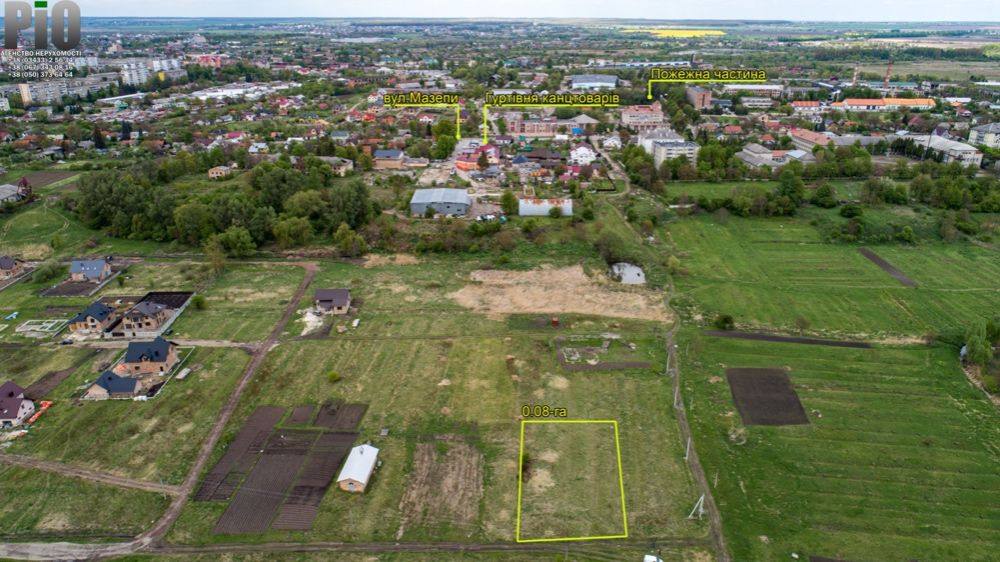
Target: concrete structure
x: 542, y: 207
x: 769, y: 90
x: 148, y: 357
x: 547, y: 127
x: 643, y: 117
x: 333, y: 301
x: 884, y: 104
x: 358, y: 469
x: 806, y: 139
x: 10, y: 193
x: 14, y: 407
x: 593, y: 81
x: 4, y: 104
x: 751, y: 102
x: 952, y: 151
x: 664, y: 144
x: 442, y: 200
x: 808, y: 107
x: 757, y: 156
x: 988, y: 135
x: 93, y: 271
x: 700, y: 98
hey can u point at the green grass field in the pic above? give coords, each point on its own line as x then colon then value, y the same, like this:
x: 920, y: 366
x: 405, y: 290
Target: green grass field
x: 155, y: 440
x: 899, y: 460
x: 42, y: 506
x: 439, y: 377
x: 769, y: 272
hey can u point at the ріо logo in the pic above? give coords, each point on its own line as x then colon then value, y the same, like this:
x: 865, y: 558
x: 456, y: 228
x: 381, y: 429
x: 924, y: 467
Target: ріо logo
x: 17, y: 15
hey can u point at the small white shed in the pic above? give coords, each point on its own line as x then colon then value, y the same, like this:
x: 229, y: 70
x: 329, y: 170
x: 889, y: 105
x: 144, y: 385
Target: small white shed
x: 358, y: 468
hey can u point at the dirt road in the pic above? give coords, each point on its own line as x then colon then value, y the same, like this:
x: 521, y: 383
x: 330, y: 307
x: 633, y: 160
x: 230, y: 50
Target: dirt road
x: 87, y: 474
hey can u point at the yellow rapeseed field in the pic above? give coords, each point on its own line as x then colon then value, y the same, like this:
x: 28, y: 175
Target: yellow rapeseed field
x: 676, y: 33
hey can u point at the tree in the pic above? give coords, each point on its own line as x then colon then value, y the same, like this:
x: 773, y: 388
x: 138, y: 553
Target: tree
x: 237, y: 242
x: 724, y: 322
x: 349, y: 243
x: 801, y: 324
x: 977, y: 348
x: 215, y: 254
x: 555, y: 212
x: 508, y: 202
x: 193, y: 222
x: 98, y: 137
x: 293, y: 231
x: 483, y: 161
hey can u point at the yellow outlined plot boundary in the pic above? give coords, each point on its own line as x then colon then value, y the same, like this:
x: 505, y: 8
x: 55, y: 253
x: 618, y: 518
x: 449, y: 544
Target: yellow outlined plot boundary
x: 621, y: 483
x: 486, y: 111
x: 457, y: 106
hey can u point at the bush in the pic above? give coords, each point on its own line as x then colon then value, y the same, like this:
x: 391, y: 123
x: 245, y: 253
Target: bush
x: 333, y: 377
x: 198, y: 302
x: 724, y: 322
x: 851, y: 210
x: 46, y: 272
x: 555, y: 212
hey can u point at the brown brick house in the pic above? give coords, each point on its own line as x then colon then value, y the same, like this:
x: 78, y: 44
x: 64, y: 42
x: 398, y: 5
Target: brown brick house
x: 95, y: 318
x: 148, y: 357
x: 93, y: 271
x: 145, y: 317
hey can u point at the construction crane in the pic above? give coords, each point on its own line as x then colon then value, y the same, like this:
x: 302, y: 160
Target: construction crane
x: 888, y: 73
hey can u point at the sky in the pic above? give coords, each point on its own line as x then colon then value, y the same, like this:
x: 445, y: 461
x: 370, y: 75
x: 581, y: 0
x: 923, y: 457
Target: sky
x: 798, y: 10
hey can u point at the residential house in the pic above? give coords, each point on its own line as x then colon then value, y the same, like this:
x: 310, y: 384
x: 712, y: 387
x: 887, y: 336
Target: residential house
x: 10, y: 193
x: 10, y: 267
x: 148, y: 357
x: 582, y: 154
x: 358, y: 469
x: 146, y: 316
x: 14, y: 407
x: 988, y: 135
x: 388, y: 159
x: 612, y: 142
x: 95, y: 318
x: 110, y: 386
x: 340, y: 166
x: 219, y: 172
x: 441, y: 200
x: 91, y: 271
x: 333, y: 301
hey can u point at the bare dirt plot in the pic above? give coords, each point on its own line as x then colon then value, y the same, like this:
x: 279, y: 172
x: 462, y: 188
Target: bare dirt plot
x: 765, y: 397
x: 887, y: 267
x: 554, y: 291
x: 786, y: 339
x: 70, y: 288
x: 301, y: 415
x: 340, y: 417
x: 257, y: 501
x: 443, y: 488
x: 256, y: 428
x: 42, y: 179
x: 302, y: 504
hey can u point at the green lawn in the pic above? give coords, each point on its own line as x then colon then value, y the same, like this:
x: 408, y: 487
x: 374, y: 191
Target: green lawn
x: 155, y: 440
x: 899, y: 460
x: 43, y: 506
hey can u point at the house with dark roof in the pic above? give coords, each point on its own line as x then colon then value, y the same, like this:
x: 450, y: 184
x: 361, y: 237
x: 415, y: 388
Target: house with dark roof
x: 333, y: 301
x: 10, y: 267
x: 111, y: 386
x: 148, y: 357
x: 92, y: 271
x: 388, y: 159
x: 146, y: 316
x: 14, y: 407
x: 95, y: 318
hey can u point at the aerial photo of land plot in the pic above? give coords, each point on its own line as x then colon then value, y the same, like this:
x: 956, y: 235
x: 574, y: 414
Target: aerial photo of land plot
x: 513, y: 281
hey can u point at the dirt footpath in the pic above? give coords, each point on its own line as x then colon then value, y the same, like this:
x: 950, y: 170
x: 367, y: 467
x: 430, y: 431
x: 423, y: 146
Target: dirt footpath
x: 556, y: 291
